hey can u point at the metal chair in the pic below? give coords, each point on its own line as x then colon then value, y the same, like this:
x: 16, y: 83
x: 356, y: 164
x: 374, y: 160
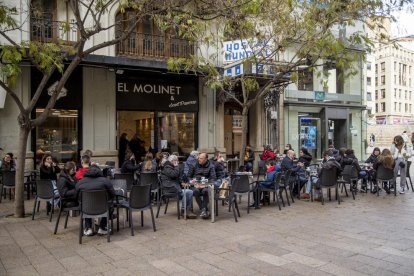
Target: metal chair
x: 349, y: 176
x: 236, y: 185
x: 94, y: 204
x: 385, y: 175
x: 408, y: 176
x: 129, y: 177
x: 328, y: 179
x: 261, y: 169
x: 285, y: 186
x: 121, y: 196
x: 167, y: 194
x: 153, y: 180
x: 65, y: 206
x: 139, y: 200
x: 275, y: 189
x: 8, y: 183
x: 45, y: 193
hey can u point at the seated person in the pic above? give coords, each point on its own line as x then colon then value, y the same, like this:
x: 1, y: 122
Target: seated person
x: 328, y: 163
x: 350, y: 159
x: 218, y: 162
x: 372, y: 159
x: 288, y: 147
x: 148, y: 165
x: 129, y: 166
x: 49, y: 169
x: 8, y: 163
x: 190, y: 162
x: 203, y: 168
x: 94, y: 180
x: 248, y: 159
x: 305, y: 157
x: 268, y: 154
x: 67, y: 182
x: 171, y: 178
x: 387, y: 161
x: 271, y: 171
x: 85, y: 163
x: 297, y: 171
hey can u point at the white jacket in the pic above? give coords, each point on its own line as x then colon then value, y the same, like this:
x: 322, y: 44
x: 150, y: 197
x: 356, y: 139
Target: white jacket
x: 405, y: 153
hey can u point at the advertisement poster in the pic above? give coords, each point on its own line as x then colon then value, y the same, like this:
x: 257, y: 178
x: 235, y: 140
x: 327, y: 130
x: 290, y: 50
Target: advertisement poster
x: 308, y: 135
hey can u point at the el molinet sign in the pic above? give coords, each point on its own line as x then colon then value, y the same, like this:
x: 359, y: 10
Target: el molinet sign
x: 157, y: 94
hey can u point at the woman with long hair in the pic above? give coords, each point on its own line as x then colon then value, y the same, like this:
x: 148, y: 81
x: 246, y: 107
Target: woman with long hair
x: 67, y: 181
x: 149, y: 165
x: 48, y: 168
x: 400, y: 155
x: 386, y: 160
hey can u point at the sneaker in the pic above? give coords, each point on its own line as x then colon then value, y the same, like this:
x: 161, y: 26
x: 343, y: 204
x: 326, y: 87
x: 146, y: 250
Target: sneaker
x: 88, y: 232
x: 203, y: 213
x: 102, y: 231
x: 363, y: 189
x: 402, y: 190
x: 305, y: 196
x: 252, y: 205
x: 206, y: 215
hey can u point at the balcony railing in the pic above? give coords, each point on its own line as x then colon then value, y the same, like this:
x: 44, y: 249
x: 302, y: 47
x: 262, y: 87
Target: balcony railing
x: 154, y: 46
x: 46, y: 30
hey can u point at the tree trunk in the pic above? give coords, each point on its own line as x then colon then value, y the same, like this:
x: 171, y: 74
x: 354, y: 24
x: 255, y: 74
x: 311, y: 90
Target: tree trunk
x: 21, y: 162
x: 245, y: 113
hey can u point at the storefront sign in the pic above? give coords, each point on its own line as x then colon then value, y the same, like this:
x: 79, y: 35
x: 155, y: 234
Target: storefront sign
x: 155, y: 94
x: 237, y: 123
x: 319, y: 96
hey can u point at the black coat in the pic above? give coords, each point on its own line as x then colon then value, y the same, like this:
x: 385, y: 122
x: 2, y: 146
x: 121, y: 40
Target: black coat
x: 49, y: 172
x: 170, y: 177
x: 219, y: 169
x: 306, y: 159
x: 207, y: 170
x: 66, y: 186
x: 129, y: 167
x: 251, y: 157
x: 123, y: 144
x: 94, y: 180
x: 287, y: 164
x: 350, y: 159
x: 372, y: 159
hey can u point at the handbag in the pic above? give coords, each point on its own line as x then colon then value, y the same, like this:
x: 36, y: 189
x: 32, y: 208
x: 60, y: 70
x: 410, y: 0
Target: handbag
x: 402, y: 165
x: 224, y: 189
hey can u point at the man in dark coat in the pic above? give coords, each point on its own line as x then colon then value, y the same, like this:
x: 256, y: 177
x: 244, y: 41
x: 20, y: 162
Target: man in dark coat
x: 94, y: 180
x: 288, y: 164
x: 203, y: 168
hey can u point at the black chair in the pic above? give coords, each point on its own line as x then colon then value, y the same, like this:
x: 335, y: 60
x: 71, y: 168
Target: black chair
x: 275, y: 189
x: 349, y: 176
x: 385, y: 175
x: 65, y: 206
x: 129, y: 177
x: 8, y: 183
x: 285, y: 186
x: 167, y: 194
x: 236, y: 185
x: 243, y: 186
x: 261, y: 169
x: 328, y: 179
x: 140, y: 200
x: 407, y: 176
x: 45, y: 193
x: 94, y: 204
x: 153, y: 180
x: 121, y: 197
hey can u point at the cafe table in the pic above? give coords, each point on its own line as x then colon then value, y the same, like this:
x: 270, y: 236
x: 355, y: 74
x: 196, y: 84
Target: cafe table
x: 210, y: 187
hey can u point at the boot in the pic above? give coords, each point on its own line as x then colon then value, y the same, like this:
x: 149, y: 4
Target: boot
x: 190, y: 214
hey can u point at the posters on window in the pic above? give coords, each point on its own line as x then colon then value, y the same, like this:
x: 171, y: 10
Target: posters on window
x: 308, y: 136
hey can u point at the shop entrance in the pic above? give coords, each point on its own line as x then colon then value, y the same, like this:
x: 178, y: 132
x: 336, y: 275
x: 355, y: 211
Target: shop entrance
x: 159, y: 131
x: 337, y: 133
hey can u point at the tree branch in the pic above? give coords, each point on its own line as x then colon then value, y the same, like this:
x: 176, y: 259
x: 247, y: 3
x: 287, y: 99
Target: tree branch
x: 14, y: 96
x: 40, y: 89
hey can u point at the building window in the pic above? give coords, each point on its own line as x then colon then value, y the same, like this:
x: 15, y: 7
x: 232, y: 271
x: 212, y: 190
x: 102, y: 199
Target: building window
x: 382, y: 67
x: 395, y: 79
x: 383, y: 107
x: 382, y: 80
x: 395, y: 92
x: 376, y: 81
x: 383, y: 93
x: 395, y: 106
x: 369, y: 96
x: 369, y: 81
x: 405, y: 94
x: 409, y: 95
x: 305, y: 79
x: 399, y: 107
x: 406, y: 107
x: 58, y: 135
x: 399, y: 93
x: 395, y: 65
x: 376, y: 107
x: 376, y: 94
x: 376, y: 68
x: 369, y: 66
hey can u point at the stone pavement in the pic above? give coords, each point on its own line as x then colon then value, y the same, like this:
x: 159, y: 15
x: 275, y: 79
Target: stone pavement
x: 368, y: 236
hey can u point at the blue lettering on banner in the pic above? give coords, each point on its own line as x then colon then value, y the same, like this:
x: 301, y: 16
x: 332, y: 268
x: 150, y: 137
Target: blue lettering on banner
x: 238, y: 71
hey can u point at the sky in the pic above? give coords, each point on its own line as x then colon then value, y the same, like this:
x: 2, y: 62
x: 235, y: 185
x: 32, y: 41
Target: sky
x: 405, y: 24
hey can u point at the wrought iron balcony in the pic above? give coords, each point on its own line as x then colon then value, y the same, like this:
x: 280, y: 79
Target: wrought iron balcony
x: 47, y: 30
x: 154, y: 46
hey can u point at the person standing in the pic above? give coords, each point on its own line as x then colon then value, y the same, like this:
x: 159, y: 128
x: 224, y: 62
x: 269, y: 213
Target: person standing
x: 400, y: 156
x: 405, y: 137
x: 372, y: 138
x: 123, y: 144
x: 8, y: 163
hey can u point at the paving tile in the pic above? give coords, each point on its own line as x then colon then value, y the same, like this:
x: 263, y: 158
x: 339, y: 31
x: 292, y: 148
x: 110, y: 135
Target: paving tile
x: 308, y: 261
x: 269, y: 258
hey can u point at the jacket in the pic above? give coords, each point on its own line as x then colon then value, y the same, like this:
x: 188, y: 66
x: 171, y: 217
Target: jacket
x: 191, y: 162
x: 404, y: 153
x: 328, y: 165
x: 350, y: 159
x: 251, y: 157
x: 8, y: 166
x: 268, y: 154
x: 81, y: 173
x: 129, y: 167
x: 49, y: 172
x: 94, y: 180
x: 170, y: 177
x: 372, y: 159
x: 305, y: 159
x: 270, y: 176
x: 220, y: 169
x: 66, y: 186
x: 287, y: 164
x: 207, y: 170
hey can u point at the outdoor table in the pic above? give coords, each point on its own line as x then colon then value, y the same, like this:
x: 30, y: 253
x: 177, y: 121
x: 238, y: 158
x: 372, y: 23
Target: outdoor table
x: 210, y: 186
x: 232, y: 165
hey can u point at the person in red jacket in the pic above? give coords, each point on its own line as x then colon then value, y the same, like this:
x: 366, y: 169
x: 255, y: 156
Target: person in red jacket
x: 268, y: 154
x: 86, y: 162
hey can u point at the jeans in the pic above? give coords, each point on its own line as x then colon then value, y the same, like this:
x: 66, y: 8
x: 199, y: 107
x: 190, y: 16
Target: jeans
x: 188, y: 197
x: 311, y: 182
x: 249, y: 166
x: 201, y: 193
x: 364, y: 176
x: 403, y: 171
x: 102, y: 224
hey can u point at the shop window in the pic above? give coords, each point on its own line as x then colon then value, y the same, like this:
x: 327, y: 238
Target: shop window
x: 177, y: 131
x: 58, y: 135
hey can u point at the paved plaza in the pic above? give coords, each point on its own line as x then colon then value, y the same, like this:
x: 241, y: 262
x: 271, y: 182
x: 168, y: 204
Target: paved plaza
x: 369, y: 236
